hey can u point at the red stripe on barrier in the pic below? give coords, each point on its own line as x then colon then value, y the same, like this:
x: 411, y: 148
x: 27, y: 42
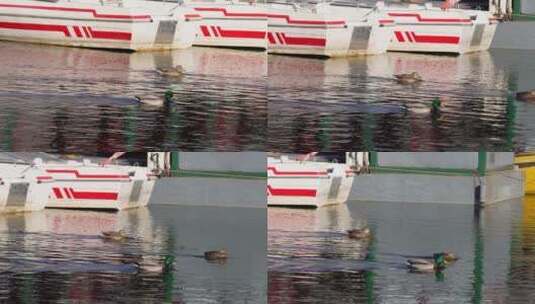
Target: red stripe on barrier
x: 242, y: 34
x: 307, y: 22
x: 271, y: 38
x: 86, y: 31
x: 307, y: 41
x: 226, y: 13
x: 422, y: 19
x: 437, y: 39
x: 313, y: 173
x: 78, y: 10
x: 110, y: 35
x: 36, y: 27
x: 205, y: 31
x: 399, y: 36
x: 93, y: 176
x: 67, y: 193
x: 77, y: 31
x: 214, y: 30
x: 94, y: 195
x: 291, y: 192
x: 57, y: 193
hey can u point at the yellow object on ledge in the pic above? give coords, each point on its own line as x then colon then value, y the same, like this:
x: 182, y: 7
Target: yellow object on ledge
x: 526, y: 162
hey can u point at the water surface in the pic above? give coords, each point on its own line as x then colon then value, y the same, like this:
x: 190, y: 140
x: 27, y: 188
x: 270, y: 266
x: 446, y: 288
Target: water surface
x: 57, y: 256
x: 355, y: 103
x: 60, y: 99
x: 310, y: 259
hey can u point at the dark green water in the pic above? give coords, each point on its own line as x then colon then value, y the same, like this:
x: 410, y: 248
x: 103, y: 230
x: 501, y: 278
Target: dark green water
x: 60, y: 99
x: 56, y: 256
x: 311, y: 260
x: 355, y: 103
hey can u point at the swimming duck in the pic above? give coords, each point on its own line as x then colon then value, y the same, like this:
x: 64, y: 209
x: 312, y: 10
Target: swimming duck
x: 154, y: 101
x: 162, y: 265
x: 177, y: 71
x: 114, y: 235
x: 450, y: 257
x: 422, y: 265
x: 410, y: 78
x: 528, y: 96
x: 359, y: 234
x: 216, y: 255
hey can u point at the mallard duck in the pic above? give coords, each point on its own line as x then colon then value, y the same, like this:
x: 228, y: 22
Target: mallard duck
x: 114, y: 235
x: 528, y: 96
x: 216, y: 255
x: 450, y: 257
x: 422, y: 265
x: 177, y: 71
x: 410, y: 78
x: 154, y: 101
x: 359, y: 234
x: 161, y: 265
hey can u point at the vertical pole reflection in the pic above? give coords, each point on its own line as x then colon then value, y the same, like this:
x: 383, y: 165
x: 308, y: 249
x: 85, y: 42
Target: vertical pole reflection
x: 367, y: 132
x: 510, y: 113
x: 369, y: 276
x: 9, y: 125
x: 169, y: 276
x: 478, y: 273
x: 129, y: 129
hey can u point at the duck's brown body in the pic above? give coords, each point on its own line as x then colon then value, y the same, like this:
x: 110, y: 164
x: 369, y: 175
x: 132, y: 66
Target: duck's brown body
x: 410, y: 78
x: 359, y: 234
x: 216, y: 255
x: 528, y: 96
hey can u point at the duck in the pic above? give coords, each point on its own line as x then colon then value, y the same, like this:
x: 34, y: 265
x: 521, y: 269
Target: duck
x: 161, y: 265
x: 423, y: 265
x: 175, y: 72
x: 410, y: 78
x: 359, y: 234
x: 450, y: 257
x: 216, y: 255
x: 154, y: 101
x: 528, y: 96
x: 114, y: 236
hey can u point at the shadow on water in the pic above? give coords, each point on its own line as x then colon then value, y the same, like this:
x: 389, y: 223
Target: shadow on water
x: 321, y: 104
x: 311, y: 260
x: 58, y: 256
x: 77, y: 99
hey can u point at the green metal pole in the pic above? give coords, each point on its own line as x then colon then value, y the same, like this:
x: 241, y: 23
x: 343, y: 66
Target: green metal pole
x: 374, y: 159
x: 482, y: 162
x: 517, y: 7
x: 175, y: 162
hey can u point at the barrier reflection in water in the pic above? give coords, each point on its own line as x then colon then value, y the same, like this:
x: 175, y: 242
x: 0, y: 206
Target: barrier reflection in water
x: 85, y: 99
x: 356, y: 103
x: 59, y: 255
x: 311, y: 260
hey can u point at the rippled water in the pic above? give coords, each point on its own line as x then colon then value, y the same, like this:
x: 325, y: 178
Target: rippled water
x: 57, y: 256
x: 312, y: 261
x: 341, y: 104
x: 68, y: 99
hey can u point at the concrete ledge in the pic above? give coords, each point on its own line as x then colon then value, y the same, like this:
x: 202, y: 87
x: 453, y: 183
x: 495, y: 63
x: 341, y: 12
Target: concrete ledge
x: 429, y: 188
x: 518, y: 35
x: 206, y: 191
x: 503, y: 185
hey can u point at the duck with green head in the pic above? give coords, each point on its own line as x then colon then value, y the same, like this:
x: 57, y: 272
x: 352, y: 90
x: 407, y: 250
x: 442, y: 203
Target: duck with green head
x: 422, y: 265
